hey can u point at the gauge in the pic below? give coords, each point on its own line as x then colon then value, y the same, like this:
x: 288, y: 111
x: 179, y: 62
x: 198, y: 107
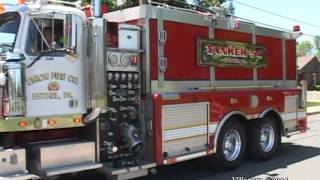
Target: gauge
x: 113, y: 60
x: 125, y: 60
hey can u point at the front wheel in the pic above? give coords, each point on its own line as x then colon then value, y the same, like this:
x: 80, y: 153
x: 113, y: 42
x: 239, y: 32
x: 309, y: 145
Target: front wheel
x: 264, y: 138
x: 230, y: 147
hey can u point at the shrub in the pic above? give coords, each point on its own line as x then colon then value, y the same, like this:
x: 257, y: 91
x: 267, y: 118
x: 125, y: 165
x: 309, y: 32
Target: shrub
x: 316, y: 87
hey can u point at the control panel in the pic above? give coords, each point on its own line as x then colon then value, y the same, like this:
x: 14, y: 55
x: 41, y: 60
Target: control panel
x: 120, y: 135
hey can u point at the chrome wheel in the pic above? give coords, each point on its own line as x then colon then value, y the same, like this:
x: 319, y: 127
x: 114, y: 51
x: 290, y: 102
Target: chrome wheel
x: 231, y: 145
x: 267, y: 137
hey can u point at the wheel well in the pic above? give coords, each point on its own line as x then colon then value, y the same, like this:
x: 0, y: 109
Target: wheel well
x: 277, y: 119
x: 233, y: 115
x: 240, y: 118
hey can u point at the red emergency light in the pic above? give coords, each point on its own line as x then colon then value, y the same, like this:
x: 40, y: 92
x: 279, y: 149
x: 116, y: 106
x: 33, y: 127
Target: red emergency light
x: 296, y: 28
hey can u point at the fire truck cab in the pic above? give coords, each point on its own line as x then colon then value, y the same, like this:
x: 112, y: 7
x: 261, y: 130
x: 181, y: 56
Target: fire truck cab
x: 147, y: 86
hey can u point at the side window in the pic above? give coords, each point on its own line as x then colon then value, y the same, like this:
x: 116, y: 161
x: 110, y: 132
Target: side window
x: 43, y: 35
x: 73, y: 32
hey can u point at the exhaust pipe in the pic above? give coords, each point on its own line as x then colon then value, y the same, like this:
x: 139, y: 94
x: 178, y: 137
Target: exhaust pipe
x: 97, y: 8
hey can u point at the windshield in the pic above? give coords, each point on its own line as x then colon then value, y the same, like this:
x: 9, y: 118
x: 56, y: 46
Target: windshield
x: 9, y: 25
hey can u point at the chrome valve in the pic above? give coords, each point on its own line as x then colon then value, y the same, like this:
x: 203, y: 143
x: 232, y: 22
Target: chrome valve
x: 112, y: 86
x: 129, y: 85
x: 117, y: 76
x: 123, y: 76
x: 130, y: 77
x: 131, y: 92
x: 110, y: 76
x: 122, y: 108
x: 123, y: 86
x: 112, y: 93
x: 136, y: 77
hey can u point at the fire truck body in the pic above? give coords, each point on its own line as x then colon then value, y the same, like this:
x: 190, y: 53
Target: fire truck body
x: 141, y: 87
x: 192, y: 103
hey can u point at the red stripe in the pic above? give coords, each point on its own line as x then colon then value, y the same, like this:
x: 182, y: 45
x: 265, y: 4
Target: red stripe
x: 157, y: 126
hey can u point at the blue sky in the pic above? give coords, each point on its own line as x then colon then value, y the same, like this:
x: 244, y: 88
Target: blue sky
x: 306, y: 11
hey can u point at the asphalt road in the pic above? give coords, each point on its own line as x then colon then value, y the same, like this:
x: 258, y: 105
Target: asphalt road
x: 298, y: 158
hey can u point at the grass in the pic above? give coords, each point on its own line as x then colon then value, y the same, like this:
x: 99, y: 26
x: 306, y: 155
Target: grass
x: 313, y: 103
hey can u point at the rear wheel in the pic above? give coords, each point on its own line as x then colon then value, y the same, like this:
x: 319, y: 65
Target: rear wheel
x: 264, y: 138
x: 230, y: 147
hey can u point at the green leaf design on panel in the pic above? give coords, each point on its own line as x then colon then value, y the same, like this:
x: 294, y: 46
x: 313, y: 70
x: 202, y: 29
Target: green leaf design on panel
x: 229, y: 53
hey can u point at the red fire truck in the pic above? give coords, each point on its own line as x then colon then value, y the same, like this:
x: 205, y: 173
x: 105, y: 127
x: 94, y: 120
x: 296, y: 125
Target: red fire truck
x: 130, y: 90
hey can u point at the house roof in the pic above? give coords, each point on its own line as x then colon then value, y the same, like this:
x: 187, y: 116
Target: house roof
x: 304, y: 60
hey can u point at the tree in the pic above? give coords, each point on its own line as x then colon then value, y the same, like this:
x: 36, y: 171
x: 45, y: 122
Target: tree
x: 304, y: 48
x: 227, y: 8
x: 231, y: 9
x: 208, y: 3
x: 177, y: 3
x: 316, y: 41
x: 114, y: 4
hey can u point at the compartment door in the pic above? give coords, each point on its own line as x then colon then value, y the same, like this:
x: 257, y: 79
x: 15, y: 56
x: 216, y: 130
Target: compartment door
x: 185, y: 128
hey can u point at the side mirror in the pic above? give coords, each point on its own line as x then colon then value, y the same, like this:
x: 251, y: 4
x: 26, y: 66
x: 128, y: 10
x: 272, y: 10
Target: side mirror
x: 70, y: 32
x: 12, y: 56
x: 70, y: 51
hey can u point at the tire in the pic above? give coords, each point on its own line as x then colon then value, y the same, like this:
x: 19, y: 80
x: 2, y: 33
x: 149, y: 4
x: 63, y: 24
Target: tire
x: 228, y: 160
x: 258, y: 150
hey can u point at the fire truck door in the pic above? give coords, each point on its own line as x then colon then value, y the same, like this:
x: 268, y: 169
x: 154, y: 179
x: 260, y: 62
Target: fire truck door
x: 54, y: 58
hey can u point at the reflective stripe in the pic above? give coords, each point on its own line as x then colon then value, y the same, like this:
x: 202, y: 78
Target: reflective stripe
x: 285, y: 116
x: 187, y: 157
x: 200, y: 130
x: 293, y: 115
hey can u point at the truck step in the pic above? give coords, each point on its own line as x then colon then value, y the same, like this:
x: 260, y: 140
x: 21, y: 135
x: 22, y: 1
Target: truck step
x: 17, y: 176
x: 47, y: 159
x: 113, y: 173
x: 13, y: 165
x: 72, y: 168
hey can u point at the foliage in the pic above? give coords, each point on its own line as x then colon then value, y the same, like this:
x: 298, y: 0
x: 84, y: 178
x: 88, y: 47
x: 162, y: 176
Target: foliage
x: 178, y: 3
x: 316, y: 41
x: 114, y: 5
x: 231, y: 9
x: 309, y: 104
x: 131, y: 3
x: 304, y: 48
x: 227, y: 8
x: 86, y: 2
x: 316, y: 87
x: 208, y: 3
